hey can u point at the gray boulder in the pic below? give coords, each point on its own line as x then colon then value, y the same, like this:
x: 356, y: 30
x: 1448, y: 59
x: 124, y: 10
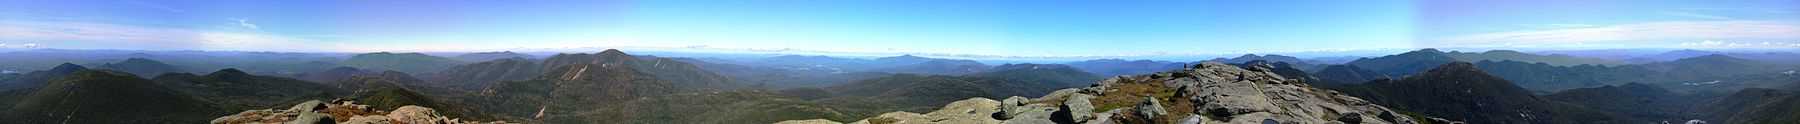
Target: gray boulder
x: 1011, y: 107
x: 312, y: 118
x: 310, y: 105
x: 1151, y: 108
x: 370, y: 119
x: 1075, y: 109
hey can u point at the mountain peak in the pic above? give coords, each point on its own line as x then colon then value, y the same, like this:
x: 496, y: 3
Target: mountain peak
x: 389, y: 54
x: 228, y: 72
x: 135, y: 60
x: 68, y: 67
x: 1426, y: 50
x: 1248, y: 56
x: 1503, y: 52
x: 142, y: 66
x: 612, y: 52
x: 906, y: 56
x: 1714, y: 59
x: 343, y: 69
x: 1713, y: 56
x: 1252, y: 57
x: 615, y: 55
x: 1030, y: 66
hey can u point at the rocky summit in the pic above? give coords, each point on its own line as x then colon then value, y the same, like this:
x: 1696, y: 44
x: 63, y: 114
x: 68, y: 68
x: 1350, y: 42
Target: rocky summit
x: 1206, y: 93
x: 342, y: 112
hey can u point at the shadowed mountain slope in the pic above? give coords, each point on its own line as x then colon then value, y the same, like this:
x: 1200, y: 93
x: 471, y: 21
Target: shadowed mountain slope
x: 110, y: 97
x: 1459, y: 91
x: 142, y: 67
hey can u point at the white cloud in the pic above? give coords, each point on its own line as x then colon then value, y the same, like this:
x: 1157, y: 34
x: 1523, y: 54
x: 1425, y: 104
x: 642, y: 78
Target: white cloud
x: 246, y: 24
x: 1613, y: 34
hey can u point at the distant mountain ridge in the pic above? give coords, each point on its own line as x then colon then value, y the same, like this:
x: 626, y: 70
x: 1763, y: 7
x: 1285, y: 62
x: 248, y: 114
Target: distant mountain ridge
x: 571, y: 84
x: 1545, y: 77
x: 488, y: 56
x: 1347, y: 74
x: 893, y: 64
x: 404, y: 62
x: 238, y: 89
x: 481, y: 74
x: 1006, y: 80
x: 1460, y: 91
x: 38, y: 78
x: 1552, y: 59
x: 1115, y: 67
x: 1265, y: 57
x: 142, y: 67
x: 1404, y: 63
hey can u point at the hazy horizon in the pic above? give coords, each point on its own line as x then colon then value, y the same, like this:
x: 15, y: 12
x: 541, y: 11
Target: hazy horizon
x: 900, y: 61
x: 986, y: 28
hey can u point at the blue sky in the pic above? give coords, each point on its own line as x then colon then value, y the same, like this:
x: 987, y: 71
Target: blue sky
x: 983, y: 27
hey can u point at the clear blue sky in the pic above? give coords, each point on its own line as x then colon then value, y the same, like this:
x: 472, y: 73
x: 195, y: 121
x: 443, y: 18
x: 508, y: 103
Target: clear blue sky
x: 987, y: 27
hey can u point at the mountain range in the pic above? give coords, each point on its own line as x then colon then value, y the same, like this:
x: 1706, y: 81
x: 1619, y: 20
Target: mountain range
x: 1424, y: 86
x: 404, y: 62
x: 1460, y: 91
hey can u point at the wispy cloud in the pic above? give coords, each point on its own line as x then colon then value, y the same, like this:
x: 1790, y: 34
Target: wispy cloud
x: 1696, y: 15
x: 1544, y: 26
x: 156, y: 6
x: 1652, y: 31
x: 107, y: 35
x: 241, y: 22
x: 1734, y: 44
x: 1742, y: 10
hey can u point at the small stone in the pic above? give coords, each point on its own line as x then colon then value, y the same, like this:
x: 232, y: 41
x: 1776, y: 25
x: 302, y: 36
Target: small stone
x: 809, y: 121
x: 1192, y: 119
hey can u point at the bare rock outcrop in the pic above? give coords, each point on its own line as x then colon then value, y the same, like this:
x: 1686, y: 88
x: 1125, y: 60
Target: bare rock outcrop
x: 1206, y: 93
x: 342, y: 112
